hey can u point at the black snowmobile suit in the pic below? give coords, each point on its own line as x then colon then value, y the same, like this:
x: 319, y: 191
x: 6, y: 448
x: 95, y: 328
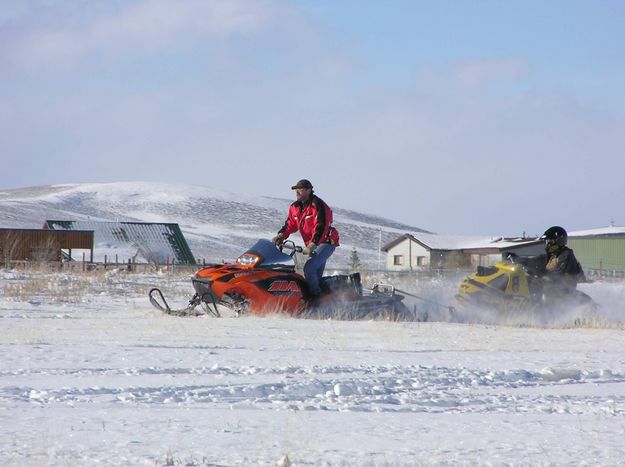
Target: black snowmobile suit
x: 561, y: 267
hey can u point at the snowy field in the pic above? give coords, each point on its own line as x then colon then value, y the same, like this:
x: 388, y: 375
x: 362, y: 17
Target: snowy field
x: 92, y: 374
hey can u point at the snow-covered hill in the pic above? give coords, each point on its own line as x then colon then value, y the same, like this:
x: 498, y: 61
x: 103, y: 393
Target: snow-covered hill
x: 217, y: 225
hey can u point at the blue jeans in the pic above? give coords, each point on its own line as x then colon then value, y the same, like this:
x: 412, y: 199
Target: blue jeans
x: 314, y: 267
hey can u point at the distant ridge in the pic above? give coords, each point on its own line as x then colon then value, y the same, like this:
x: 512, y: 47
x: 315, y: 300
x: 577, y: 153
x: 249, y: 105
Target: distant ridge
x: 217, y: 225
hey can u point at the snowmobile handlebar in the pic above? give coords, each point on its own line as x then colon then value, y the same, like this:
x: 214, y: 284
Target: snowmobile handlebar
x: 526, y: 264
x: 512, y: 257
x: 290, y: 245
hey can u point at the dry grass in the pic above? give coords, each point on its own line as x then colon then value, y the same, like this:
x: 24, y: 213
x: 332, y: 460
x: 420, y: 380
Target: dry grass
x: 75, y: 286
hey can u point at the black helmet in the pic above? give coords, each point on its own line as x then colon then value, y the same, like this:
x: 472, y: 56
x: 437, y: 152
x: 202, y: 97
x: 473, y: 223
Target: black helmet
x: 555, y: 236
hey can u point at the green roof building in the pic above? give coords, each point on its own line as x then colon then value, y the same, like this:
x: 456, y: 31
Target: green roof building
x: 150, y: 242
x: 600, y: 251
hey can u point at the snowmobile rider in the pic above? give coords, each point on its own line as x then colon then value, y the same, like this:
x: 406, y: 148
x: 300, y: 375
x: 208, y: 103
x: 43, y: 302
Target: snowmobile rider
x: 313, y: 218
x: 559, y: 264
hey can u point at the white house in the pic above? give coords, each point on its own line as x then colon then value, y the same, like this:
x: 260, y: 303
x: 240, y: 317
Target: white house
x: 421, y: 251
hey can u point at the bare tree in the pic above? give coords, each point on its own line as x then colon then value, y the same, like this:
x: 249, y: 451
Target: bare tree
x: 11, y: 247
x: 46, y: 251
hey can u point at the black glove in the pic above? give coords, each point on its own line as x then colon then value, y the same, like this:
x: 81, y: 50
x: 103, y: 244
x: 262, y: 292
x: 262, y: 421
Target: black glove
x: 278, y: 239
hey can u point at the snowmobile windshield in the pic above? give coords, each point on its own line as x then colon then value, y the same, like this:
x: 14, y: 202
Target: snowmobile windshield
x: 265, y: 254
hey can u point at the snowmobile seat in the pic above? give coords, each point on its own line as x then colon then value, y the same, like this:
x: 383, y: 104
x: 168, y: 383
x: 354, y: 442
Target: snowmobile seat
x: 355, y: 279
x: 349, y: 284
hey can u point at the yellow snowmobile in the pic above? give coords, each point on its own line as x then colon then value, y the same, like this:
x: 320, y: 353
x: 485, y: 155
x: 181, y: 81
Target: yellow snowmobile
x: 510, y: 288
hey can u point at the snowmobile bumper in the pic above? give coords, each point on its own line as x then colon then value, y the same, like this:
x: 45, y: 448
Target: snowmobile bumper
x: 203, y: 296
x: 203, y: 288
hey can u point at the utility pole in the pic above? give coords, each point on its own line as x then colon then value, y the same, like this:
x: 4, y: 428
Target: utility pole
x: 380, y: 249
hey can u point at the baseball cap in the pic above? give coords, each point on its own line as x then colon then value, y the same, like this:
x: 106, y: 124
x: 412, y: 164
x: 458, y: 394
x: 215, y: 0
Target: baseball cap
x: 302, y: 184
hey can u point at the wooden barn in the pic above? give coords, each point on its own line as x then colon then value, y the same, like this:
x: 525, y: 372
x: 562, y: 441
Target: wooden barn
x: 41, y: 245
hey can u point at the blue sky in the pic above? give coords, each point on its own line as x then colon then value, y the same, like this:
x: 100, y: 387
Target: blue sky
x: 465, y: 117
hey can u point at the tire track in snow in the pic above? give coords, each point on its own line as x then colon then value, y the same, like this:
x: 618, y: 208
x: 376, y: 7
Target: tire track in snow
x: 334, y: 388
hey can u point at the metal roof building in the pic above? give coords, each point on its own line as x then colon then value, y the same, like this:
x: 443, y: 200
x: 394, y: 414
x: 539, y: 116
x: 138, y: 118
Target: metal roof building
x: 140, y: 241
x: 600, y: 250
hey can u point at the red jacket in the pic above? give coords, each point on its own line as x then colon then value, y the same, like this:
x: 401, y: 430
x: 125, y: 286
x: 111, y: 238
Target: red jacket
x: 313, y: 219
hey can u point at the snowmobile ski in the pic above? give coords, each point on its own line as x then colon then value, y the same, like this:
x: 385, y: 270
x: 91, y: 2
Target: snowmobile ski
x: 157, y: 299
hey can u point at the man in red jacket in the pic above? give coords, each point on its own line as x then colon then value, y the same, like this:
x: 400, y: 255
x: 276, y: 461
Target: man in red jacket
x: 313, y: 218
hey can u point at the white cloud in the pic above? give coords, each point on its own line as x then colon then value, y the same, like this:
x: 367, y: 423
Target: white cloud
x: 287, y: 102
x: 144, y: 25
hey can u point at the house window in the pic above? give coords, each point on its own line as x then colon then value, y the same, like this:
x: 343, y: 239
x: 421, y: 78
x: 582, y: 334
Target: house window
x: 398, y: 260
x: 421, y: 261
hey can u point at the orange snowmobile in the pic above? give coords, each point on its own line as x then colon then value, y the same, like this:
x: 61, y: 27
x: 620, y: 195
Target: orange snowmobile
x: 263, y: 280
